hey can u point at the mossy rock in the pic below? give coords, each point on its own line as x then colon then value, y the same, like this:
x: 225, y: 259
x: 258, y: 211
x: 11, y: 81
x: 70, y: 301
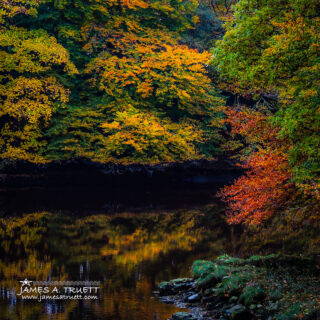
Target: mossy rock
x: 228, y: 260
x: 279, y: 259
x: 252, y: 294
x: 259, y: 283
x: 235, y: 283
x: 260, y: 260
x: 213, y: 292
x: 202, y: 268
x: 209, y: 281
x: 239, y: 312
x: 174, y: 286
x: 208, y: 274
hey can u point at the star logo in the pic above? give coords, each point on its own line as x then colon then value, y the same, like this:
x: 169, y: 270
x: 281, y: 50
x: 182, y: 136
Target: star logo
x: 25, y: 282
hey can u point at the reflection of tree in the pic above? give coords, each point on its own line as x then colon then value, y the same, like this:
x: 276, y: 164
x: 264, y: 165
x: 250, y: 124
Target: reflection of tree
x: 129, y: 239
x: 22, y: 247
x: 160, y: 237
x: 34, y: 311
x: 129, y: 252
x: 292, y: 229
x: 24, y: 254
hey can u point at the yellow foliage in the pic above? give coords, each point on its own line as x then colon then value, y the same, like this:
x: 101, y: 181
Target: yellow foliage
x: 144, y: 137
x: 28, y: 98
x: 10, y: 8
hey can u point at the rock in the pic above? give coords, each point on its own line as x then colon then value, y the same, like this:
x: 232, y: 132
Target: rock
x: 181, y: 281
x: 172, y: 287
x: 182, y: 316
x: 237, y: 311
x: 216, y: 292
x: 186, y: 295
x: 167, y: 299
x: 165, y: 288
x: 194, y: 298
x: 207, y: 281
x: 182, y: 284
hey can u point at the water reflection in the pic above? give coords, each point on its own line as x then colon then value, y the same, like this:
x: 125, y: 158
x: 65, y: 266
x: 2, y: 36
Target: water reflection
x: 128, y: 252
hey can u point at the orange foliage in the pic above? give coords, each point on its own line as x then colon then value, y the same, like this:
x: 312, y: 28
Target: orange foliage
x: 266, y: 186
x: 166, y: 72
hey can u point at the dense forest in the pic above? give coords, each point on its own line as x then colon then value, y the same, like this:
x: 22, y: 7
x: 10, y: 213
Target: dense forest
x: 120, y: 81
x: 153, y: 81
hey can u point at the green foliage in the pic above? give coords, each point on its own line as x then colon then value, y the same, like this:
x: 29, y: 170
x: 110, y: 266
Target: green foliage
x: 207, y: 273
x: 76, y: 132
x: 273, y: 47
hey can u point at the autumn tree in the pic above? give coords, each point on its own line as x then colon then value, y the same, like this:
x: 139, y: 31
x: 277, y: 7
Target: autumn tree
x: 266, y: 186
x: 29, y: 89
x: 272, y: 47
x: 142, y: 136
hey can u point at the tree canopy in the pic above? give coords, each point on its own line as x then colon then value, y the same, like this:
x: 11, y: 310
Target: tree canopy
x: 72, y: 70
x: 273, y: 47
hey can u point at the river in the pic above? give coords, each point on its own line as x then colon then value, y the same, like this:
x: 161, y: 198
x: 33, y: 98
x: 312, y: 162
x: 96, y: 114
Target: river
x: 129, y: 241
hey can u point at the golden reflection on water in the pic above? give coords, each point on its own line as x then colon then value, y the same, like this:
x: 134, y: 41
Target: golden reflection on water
x: 129, y: 253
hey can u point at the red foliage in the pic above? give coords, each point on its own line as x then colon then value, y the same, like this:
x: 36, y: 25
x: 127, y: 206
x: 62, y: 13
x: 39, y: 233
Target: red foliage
x: 266, y: 186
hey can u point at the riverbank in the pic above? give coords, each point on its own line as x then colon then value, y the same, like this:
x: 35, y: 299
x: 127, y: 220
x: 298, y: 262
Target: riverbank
x: 274, y: 287
x: 84, y: 172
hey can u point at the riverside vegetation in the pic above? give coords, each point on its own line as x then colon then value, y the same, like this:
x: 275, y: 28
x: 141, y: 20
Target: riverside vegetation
x: 261, y: 287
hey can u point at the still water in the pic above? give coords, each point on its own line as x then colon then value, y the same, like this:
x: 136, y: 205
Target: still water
x: 127, y: 241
